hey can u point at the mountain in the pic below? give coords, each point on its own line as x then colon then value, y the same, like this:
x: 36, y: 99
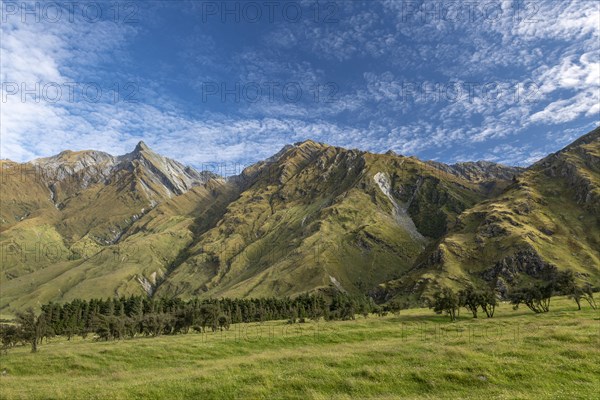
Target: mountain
x: 316, y: 216
x: 61, y: 214
x: 547, y: 219
x: 81, y: 183
x: 312, y: 217
x: 491, y: 176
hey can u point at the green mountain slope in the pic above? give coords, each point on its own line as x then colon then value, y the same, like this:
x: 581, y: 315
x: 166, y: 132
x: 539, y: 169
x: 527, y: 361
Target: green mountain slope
x: 64, y: 218
x: 312, y: 217
x: 317, y: 216
x: 548, y: 218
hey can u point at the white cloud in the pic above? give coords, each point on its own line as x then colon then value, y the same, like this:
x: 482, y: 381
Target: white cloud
x: 369, y: 114
x: 58, y: 54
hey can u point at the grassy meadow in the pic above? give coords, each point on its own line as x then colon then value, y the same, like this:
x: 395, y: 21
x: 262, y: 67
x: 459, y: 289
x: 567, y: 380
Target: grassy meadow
x: 416, y: 355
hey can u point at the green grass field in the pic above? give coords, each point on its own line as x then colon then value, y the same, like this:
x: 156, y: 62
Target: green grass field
x: 417, y: 355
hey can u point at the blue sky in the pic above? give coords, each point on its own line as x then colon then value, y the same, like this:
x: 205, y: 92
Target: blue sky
x: 233, y: 82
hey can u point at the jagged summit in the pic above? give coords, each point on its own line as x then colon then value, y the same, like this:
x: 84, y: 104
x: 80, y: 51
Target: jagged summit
x: 308, y: 142
x: 141, y: 146
x: 141, y: 150
x: 160, y: 176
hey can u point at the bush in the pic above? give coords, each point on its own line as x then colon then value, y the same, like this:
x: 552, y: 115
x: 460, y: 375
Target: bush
x: 10, y: 335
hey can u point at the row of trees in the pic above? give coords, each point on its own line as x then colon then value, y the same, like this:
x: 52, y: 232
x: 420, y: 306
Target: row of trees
x: 127, y: 317
x: 450, y: 302
x: 535, y: 295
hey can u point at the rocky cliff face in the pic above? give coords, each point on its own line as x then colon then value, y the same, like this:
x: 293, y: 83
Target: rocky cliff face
x: 160, y: 176
x: 84, y: 167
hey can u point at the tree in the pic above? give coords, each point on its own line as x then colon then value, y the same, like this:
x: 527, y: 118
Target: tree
x: 489, y: 302
x: 471, y: 299
x: 347, y: 309
x: 292, y: 315
x: 565, y: 282
x: 445, y: 301
x: 208, y: 314
x: 318, y: 307
x: 32, y: 327
x: 568, y: 286
x: 536, y: 296
x: 154, y: 324
x: 10, y: 335
x: 100, y: 325
x: 301, y: 313
x: 588, y: 295
x: 120, y: 318
x: 364, y: 309
x: 224, y: 322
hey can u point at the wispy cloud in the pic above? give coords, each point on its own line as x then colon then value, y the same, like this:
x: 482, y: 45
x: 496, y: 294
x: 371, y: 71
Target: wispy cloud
x: 386, y: 79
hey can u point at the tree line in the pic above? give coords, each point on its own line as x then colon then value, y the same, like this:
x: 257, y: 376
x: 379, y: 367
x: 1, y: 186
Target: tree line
x: 127, y: 317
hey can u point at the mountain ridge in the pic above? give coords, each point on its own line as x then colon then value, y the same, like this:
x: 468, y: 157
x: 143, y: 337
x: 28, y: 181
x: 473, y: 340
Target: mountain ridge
x: 310, y: 217
x: 548, y: 218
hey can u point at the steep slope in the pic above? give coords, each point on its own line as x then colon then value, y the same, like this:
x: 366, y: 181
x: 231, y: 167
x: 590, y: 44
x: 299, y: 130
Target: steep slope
x: 316, y: 216
x: 312, y: 217
x: 134, y: 265
x: 22, y: 194
x: 549, y: 218
x: 68, y: 210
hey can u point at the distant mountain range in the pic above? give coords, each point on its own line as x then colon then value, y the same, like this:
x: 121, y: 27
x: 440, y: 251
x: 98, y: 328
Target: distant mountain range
x: 312, y: 217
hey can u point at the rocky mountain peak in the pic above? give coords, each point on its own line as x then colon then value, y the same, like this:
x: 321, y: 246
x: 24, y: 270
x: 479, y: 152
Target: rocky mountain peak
x: 141, y: 146
x: 160, y: 176
x: 308, y: 142
x: 89, y: 165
